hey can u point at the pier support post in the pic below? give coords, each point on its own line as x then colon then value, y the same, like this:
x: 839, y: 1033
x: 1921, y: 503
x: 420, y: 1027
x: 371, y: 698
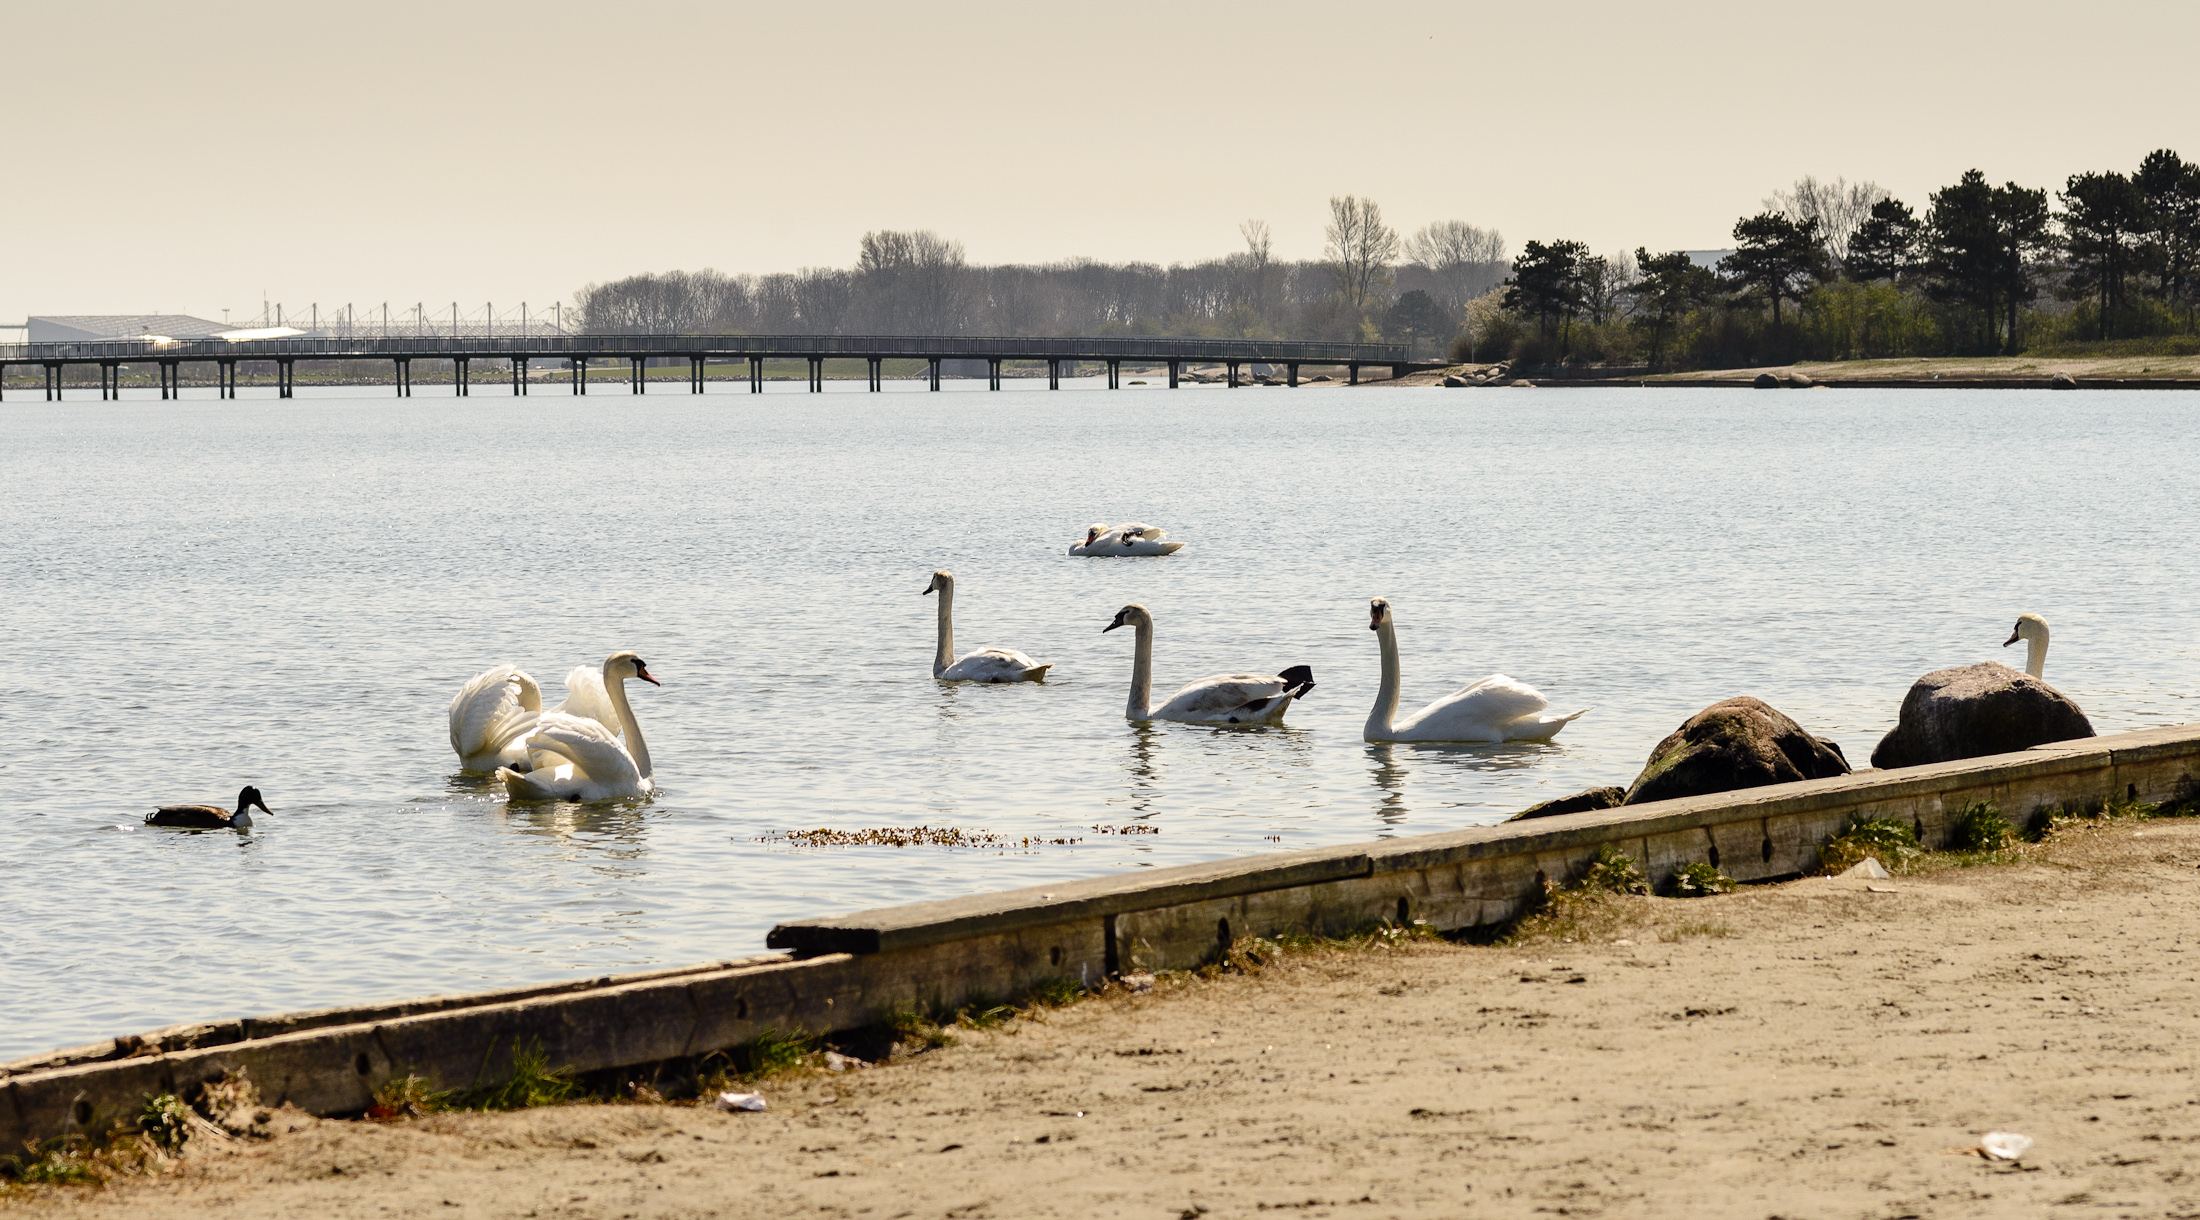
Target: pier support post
x: 53, y: 383
x: 817, y: 374
x: 1115, y: 374
x: 284, y: 371
x: 1397, y: 371
x: 1352, y: 374
x: 992, y: 372
x: 460, y: 367
x: 171, y: 379
x: 519, y: 376
x: 637, y: 381
x: 695, y: 374
x: 227, y: 371
x: 878, y: 378
x: 935, y: 363
x: 1291, y: 375
x: 756, y: 374
x: 1173, y: 365
x: 1233, y: 374
x: 1054, y: 373
x: 110, y: 375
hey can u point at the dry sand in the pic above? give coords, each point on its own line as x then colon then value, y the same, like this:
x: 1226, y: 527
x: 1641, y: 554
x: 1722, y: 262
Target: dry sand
x: 1813, y: 1049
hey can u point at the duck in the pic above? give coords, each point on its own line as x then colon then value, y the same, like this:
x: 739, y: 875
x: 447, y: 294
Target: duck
x: 1125, y: 540
x: 2032, y: 629
x: 1215, y: 699
x: 984, y: 665
x: 1497, y: 708
x: 491, y: 714
x: 211, y: 817
x: 577, y: 758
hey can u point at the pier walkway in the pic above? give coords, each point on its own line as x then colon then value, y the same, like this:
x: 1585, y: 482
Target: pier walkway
x: 577, y: 352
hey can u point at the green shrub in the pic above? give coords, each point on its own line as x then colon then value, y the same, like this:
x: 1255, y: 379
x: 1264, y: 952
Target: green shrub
x: 1613, y: 872
x: 1891, y: 841
x: 1699, y: 880
x: 1980, y: 827
x: 533, y: 1082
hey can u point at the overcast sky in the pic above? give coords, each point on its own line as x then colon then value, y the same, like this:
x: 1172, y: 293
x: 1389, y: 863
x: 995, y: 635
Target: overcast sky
x: 176, y: 157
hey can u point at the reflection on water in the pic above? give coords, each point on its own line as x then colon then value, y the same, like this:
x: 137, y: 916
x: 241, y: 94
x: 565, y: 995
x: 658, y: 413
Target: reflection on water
x: 767, y: 559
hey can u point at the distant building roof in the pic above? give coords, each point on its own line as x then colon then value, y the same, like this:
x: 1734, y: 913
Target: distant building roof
x: 93, y: 328
x: 1706, y: 258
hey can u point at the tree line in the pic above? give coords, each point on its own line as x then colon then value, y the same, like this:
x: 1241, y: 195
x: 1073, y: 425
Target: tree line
x: 1837, y: 271
x: 1371, y: 285
x: 1826, y: 270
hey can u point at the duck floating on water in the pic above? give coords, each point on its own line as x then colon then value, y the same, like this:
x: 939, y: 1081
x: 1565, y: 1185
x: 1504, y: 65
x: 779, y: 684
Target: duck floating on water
x: 211, y: 817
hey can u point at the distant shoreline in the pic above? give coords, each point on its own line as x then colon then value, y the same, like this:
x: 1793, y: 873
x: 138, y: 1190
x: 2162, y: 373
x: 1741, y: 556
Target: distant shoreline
x: 1931, y: 373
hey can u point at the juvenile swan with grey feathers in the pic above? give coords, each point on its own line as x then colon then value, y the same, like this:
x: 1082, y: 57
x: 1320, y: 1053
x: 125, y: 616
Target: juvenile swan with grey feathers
x: 1497, y: 708
x: 984, y: 665
x: 579, y: 758
x: 1215, y: 699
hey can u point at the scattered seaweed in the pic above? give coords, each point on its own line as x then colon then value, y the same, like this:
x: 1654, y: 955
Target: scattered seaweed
x: 919, y: 836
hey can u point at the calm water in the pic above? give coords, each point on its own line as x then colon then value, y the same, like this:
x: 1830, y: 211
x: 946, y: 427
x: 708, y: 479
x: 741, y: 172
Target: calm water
x: 204, y: 594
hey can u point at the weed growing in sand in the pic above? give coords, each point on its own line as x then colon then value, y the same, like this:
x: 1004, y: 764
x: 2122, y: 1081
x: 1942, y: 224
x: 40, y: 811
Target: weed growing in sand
x: 166, y: 1122
x: 1979, y: 828
x: 1699, y: 880
x: 409, y: 1097
x: 1673, y: 934
x: 1891, y: 841
x: 917, y: 1032
x: 533, y: 1082
x: 1612, y: 872
x: 97, y: 1156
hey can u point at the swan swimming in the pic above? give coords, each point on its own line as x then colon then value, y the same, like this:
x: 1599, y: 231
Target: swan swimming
x: 1132, y: 539
x: 1497, y: 708
x: 491, y: 714
x: 984, y: 665
x: 2032, y: 629
x: 577, y: 758
x: 1215, y: 699
x: 210, y: 817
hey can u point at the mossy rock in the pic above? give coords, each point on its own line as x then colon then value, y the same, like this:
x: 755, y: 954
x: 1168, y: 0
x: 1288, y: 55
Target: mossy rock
x: 1579, y: 802
x: 1971, y: 711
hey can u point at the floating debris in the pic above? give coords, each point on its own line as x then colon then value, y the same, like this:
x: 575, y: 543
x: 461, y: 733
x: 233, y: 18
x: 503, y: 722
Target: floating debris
x: 1138, y: 829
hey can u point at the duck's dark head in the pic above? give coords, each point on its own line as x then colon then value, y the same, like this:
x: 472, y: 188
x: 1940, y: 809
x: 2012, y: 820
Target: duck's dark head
x: 250, y: 799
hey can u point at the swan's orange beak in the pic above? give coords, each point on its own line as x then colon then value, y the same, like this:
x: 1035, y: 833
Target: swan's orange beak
x: 643, y: 674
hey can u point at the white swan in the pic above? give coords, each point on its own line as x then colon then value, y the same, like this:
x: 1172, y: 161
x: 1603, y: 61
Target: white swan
x: 586, y: 696
x: 2032, y: 629
x: 984, y: 665
x: 578, y: 759
x: 1497, y: 708
x: 1215, y: 699
x: 1132, y: 539
x: 489, y: 716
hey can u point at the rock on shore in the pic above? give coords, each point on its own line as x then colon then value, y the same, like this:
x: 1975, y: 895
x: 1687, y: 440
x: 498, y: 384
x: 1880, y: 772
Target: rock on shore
x: 1735, y: 743
x: 1971, y: 711
x: 1579, y: 802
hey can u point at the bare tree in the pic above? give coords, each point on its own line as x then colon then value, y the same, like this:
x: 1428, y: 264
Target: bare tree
x: 673, y: 302
x: 1256, y: 262
x: 911, y: 282
x: 1463, y: 260
x: 1839, y: 207
x: 1605, y: 280
x: 1361, y: 248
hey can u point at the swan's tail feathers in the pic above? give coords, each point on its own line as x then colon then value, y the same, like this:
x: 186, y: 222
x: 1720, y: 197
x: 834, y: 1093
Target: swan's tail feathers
x: 1541, y: 728
x: 1038, y: 672
x: 1171, y: 548
x: 1297, y: 680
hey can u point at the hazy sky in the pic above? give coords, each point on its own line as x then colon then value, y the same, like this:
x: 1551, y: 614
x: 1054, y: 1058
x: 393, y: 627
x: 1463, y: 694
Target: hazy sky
x: 191, y: 156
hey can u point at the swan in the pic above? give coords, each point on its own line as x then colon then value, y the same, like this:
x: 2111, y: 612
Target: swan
x: 1215, y: 699
x: 489, y: 716
x: 1132, y: 539
x: 1497, y: 708
x: 2032, y: 629
x: 210, y: 817
x: 984, y: 665
x: 576, y: 758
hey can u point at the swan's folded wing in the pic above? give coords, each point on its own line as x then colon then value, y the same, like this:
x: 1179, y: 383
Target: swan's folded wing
x: 1220, y: 694
x: 494, y: 707
x: 587, y: 744
x: 585, y: 696
x: 1136, y: 531
x: 1494, y: 700
x: 990, y: 664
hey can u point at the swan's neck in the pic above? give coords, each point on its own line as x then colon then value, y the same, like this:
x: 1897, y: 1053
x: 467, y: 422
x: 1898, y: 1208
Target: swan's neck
x: 628, y: 725
x: 946, y: 654
x: 1140, y: 706
x: 2035, y: 654
x: 1386, y: 696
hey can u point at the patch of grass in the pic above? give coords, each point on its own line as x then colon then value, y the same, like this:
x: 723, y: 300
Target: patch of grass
x: 1699, y: 880
x: 1613, y: 872
x: 533, y: 1082
x: 1980, y: 828
x: 409, y: 1097
x: 1891, y: 841
x: 917, y: 1032
x: 166, y: 1122
x: 1673, y: 934
x: 2050, y: 822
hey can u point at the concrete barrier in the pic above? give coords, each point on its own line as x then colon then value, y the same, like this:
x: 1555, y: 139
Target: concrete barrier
x: 850, y: 971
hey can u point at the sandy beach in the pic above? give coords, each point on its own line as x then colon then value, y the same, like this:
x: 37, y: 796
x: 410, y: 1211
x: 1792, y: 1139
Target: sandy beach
x: 1819, y: 1048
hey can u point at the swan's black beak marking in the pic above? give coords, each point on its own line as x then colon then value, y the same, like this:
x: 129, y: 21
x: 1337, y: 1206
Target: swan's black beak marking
x: 1112, y: 626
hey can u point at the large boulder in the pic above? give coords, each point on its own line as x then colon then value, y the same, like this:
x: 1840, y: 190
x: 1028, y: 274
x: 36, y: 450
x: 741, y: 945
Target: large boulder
x: 1975, y: 710
x: 1736, y: 743
x: 1579, y: 802
x: 1765, y: 381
